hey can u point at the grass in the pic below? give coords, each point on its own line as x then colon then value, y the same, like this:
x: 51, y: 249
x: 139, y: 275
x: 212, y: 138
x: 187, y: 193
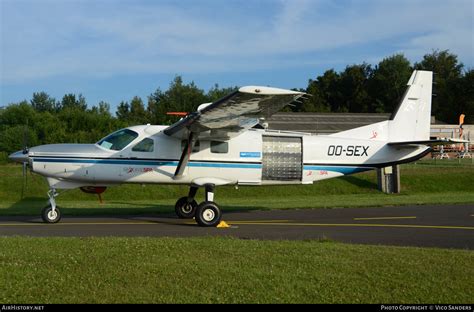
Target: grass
x: 227, y: 270
x: 447, y: 182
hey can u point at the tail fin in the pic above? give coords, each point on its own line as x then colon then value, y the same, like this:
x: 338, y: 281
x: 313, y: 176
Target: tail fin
x: 412, y: 118
x: 409, y: 122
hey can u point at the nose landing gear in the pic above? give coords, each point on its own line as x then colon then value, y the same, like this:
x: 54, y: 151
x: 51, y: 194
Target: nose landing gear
x: 51, y: 213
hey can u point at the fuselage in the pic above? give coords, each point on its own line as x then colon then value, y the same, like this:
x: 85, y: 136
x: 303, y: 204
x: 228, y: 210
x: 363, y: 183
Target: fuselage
x: 144, y: 154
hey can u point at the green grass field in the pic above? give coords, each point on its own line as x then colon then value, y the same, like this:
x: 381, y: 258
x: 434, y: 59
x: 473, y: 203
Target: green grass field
x: 226, y: 270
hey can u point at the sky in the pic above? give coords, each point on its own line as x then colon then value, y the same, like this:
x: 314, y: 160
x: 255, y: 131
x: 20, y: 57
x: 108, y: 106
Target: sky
x: 113, y: 50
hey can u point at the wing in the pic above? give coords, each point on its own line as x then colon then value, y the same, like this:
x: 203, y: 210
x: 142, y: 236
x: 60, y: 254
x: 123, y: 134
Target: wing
x: 233, y: 114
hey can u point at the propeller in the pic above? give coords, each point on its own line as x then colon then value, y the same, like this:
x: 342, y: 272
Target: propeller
x: 24, y: 185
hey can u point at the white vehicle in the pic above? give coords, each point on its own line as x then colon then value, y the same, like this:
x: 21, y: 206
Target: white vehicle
x: 217, y: 145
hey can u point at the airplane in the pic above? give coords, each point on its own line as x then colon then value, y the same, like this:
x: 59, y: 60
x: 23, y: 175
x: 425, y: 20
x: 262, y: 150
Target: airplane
x: 219, y: 144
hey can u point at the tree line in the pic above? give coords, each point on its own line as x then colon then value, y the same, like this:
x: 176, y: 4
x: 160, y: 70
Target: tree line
x: 359, y: 88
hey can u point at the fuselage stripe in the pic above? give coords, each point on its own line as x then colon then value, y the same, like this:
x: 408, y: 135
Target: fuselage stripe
x: 240, y: 165
x: 158, y: 163
x: 340, y: 169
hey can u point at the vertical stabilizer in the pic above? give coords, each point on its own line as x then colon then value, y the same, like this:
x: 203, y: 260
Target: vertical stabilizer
x: 412, y: 118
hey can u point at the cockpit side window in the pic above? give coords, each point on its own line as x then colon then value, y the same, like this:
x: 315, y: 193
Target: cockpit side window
x: 118, y: 140
x: 145, y: 145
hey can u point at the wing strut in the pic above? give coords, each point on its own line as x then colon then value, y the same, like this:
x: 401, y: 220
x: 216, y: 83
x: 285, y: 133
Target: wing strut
x: 185, y: 155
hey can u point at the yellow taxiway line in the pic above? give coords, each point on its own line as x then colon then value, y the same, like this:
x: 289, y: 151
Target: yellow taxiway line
x: 263, y: 222
x: 123, y: 223
x: 452, y: 227
x: 383, y: 218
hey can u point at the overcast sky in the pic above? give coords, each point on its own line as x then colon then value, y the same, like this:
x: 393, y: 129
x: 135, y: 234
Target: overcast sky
x: 112, y: 50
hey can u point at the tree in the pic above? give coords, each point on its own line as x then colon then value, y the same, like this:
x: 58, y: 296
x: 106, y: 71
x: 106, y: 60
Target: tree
x: 17, y: 127
x: 123, y: 111
x: 69, y: 101
x: 179, y: 97
x: 443, y: 63
x: 316, y: 103
x: 104, y: 108
x: 138, y: 115
x: 464, y: 104
x: 388, y: 83
x: 42, y: 102
x: 216, y: 93
x: 447, y: 72
x: 354, y: 88
x: 326, y: 93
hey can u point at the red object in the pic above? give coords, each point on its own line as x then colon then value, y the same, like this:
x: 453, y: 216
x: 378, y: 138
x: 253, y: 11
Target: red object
x: 182, y: 114
x: 93, y: 189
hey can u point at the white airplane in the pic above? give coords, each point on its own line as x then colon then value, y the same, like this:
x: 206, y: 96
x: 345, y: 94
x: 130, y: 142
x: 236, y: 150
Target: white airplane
x: 217, y: 145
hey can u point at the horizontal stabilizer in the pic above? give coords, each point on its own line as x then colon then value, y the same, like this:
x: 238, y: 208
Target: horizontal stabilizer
x: 442, y: 141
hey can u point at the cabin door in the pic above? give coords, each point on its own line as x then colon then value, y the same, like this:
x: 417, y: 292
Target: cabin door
x: 282, y: 158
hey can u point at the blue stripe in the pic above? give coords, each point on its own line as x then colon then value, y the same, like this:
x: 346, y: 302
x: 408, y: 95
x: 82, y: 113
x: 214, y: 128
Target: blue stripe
x: 343, y: 170
x: 340, y: 169
x: 224, y: 165
x: 250, y: 154
x: 148, y: 163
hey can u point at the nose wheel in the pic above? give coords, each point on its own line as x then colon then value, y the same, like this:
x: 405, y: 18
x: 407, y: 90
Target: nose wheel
x: 49, y: 215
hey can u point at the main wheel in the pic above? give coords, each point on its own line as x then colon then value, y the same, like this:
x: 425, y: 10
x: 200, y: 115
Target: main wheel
x: 184, y: 209
x: 208, y: 214
x: 49, y: 216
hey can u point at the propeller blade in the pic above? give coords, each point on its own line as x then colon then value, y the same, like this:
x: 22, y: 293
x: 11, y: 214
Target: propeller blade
x: 23, y: 185
x: 25, y: 138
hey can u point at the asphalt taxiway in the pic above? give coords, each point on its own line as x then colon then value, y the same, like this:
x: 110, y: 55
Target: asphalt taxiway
x: 446, y: 226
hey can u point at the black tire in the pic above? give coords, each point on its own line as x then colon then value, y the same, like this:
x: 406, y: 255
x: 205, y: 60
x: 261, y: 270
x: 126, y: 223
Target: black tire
x: 208, y: 214
x: 48, y: 216
x: 185, y: 210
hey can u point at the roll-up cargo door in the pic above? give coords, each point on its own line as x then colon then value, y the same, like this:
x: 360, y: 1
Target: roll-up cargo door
x: 282, y: 158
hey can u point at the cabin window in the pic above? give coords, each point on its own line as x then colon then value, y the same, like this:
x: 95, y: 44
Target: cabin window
x: 145, y: 145
x: 118, y: 140
x: 219, y: 147
x: 195, y: 148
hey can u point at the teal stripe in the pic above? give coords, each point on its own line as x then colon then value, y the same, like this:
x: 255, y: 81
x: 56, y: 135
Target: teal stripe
x: 224, y: 165
x: 132, y: 162
x: 339, y: 169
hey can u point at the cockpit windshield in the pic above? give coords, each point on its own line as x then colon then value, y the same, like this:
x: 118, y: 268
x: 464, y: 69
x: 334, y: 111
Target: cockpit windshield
x: 118, y: 140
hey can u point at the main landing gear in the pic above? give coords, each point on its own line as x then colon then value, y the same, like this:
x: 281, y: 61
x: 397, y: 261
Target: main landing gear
x: 206, y: 213
x: 51, y: 213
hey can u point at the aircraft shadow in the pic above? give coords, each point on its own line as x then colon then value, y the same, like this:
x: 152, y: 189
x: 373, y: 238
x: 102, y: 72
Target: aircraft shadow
x: 362, y: 183
x: 29, y: 209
